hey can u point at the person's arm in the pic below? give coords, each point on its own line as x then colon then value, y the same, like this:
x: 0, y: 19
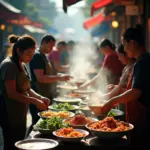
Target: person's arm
x: 128, y: 96
x: 106, y: 65
x: 61, y: 68
x: 39, y: 73
x: 55, y: 58
x: 37, y: 64
x: 140, y: 83
x: 32, y: 93
x: 13, y: 94
x: 91, y: 82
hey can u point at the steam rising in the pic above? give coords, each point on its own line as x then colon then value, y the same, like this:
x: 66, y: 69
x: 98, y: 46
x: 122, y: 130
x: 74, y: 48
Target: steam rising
x: 83, y: 59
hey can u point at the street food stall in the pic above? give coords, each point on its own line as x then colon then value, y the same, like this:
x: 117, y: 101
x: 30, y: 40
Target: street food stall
x: 71, y: 121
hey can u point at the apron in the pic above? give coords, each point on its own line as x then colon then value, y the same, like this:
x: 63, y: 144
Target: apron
x: 137, y: 115
x: 47, y: 89
x: 13, y: 116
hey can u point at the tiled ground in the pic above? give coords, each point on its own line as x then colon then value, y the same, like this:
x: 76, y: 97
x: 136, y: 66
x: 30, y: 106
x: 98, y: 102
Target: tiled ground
x: 28, y: 125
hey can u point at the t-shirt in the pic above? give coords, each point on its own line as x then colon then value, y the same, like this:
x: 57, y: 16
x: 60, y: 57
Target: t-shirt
x: 40, y: 61
x: 10, y: 71
x: 64, y: 56
x: 37, y: 62
x: 125, y: 75
x: 54, y: 56
x: 141, y: 78
x: 114, y: 65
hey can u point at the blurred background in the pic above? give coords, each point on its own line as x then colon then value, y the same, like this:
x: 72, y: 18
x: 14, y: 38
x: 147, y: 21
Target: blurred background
x: 78, y: 20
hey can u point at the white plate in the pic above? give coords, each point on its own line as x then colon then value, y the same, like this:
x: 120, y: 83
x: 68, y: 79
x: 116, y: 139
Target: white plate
x: 72, y: 139
x: 67, y: 87
x: 36, y: 143
x: 83, y: 91
x: 45, y: 117
x: 75, y: 107
x: 67, y: 100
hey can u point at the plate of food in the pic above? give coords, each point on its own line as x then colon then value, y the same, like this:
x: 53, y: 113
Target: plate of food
x: 77, y: 81
x: 79, y: 121
x: 73, y: 101
x: 109, y: 128
x: 67, y: 87
x: 70, y: 135
x: 49, y: 113
x: 47, y: 126
x: 83, y: 91
x: 117, y: 114
x: 64, y: 107
x: 76, y: 95
x: 36, y: 143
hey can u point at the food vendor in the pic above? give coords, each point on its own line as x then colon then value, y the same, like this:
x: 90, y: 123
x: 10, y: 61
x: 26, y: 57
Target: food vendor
x: 43, y: 74
x: 16, y: 93
x: 111, y: 67
x: 137, y: 96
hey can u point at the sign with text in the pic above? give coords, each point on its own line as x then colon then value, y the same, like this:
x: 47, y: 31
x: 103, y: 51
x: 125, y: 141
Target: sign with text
x: 132, y: 10
x: 124, y: 2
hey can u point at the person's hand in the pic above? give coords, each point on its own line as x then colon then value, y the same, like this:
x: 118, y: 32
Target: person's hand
x: 41, y: 105
x: 110, y: 87
x: 46, y: 100
x: 107, y: 107
x: 65, y: 78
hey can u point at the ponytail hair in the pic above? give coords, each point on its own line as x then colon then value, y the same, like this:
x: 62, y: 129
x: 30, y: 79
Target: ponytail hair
x: 121, y: 50
x: 21, y: 44
x: 12, y: 38
x: 105, y: 42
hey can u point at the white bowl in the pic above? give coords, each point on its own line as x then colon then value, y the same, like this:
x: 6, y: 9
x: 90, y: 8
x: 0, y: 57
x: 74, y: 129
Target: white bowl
x: 81, y: 126
x: 108, y: 135
x: 97, y: 110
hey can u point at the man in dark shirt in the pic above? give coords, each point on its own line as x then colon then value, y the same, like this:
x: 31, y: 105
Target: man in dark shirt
x: 43, y: 74
x: 141, y: 78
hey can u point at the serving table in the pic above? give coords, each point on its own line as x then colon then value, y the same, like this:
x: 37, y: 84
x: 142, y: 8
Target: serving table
x: 88, y: 142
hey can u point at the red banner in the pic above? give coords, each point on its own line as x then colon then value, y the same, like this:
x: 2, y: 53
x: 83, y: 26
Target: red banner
x: 99, y: 4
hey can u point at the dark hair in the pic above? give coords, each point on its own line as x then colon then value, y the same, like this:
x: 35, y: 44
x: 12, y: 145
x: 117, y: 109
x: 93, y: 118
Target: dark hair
x: 22, y: 43
x: 12, y: 38
x: 106, y: 42
x: 48, y: 38
x: 120, y: 49
x: 135, y: 34
x: 62, y: 43
x: 71, y: 43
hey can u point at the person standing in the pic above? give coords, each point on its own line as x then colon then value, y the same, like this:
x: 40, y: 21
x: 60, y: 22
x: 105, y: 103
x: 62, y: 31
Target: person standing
x: 44, y: 77
x: 59, y: 57
x: 16, y: 93
x: 137, y: 95
x: 111, y: 67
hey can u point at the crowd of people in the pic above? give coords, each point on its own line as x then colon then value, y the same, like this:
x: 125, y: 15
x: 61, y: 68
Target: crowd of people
x: 35, y: 88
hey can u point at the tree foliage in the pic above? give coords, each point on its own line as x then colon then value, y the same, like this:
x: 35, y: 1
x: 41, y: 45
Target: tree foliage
x: 36, y: 12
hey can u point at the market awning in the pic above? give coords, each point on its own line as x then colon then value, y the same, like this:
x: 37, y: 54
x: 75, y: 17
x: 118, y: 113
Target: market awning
x: 99, y: 4
x: 95, y: 21
x: 33, y: 29
x: 67, y: 3
x: 9, y: 7
x: 13, y: 15
x: 102, y: 29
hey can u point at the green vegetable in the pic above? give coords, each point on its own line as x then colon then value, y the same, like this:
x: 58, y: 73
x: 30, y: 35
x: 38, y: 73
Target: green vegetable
x: 112, y: 114
x: 63, y: 106
x: 52, y: 123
